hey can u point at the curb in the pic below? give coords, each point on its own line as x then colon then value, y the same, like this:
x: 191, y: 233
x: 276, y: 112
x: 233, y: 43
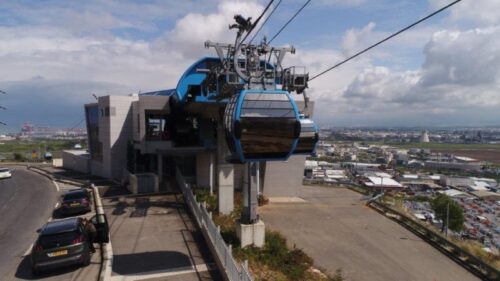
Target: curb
x: 56, y: 178
x: 106, y: 248
x: 106, y: 262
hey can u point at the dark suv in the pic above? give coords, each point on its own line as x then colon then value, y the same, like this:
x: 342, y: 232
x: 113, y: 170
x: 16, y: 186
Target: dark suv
x: 75, y: 201
x: 60, y: 243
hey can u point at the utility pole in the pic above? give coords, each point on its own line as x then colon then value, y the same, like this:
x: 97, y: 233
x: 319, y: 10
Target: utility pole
x: 2, y: 107
x: 447, y: 217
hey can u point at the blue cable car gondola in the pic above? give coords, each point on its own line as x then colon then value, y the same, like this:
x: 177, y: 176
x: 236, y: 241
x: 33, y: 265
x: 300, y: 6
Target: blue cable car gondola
x: 308, y: 137
x: 261, y: 125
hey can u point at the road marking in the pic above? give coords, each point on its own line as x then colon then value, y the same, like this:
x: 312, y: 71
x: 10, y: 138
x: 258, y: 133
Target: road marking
x: 163, y: 273
x: 28, y: 251
x: 57, y: 186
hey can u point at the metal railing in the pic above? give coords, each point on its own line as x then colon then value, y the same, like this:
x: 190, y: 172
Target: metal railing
x: 203, y: 218
x: 455, y: 252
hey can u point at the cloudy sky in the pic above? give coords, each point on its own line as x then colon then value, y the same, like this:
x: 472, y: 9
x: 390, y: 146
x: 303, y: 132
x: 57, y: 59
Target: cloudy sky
x: 54, y: 54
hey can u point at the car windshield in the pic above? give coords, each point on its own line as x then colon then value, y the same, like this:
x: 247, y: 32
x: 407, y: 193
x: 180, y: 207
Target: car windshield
x: 58, y: 240
x: 3, y: 170
x: 73, y: 196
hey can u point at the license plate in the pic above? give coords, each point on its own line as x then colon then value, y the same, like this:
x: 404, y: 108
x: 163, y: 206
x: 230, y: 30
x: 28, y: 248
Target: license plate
x: 58, y: 253
x: 74, y: 204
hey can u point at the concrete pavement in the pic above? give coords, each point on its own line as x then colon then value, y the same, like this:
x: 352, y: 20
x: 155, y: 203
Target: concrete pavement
x: 335, y: 228
x: 153, y: 238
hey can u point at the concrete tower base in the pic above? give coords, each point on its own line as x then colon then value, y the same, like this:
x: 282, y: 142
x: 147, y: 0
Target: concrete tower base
x: 251, y: 234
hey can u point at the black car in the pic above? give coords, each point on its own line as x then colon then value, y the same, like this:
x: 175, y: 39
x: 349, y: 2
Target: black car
x: 60, y: 243
x: 75, y: 201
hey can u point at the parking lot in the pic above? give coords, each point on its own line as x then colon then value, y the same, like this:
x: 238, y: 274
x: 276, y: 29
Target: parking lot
x: 482, y: 221
x: 338, y: 231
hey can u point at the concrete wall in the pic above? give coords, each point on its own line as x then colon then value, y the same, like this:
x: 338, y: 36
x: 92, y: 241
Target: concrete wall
x: 120, y: 133
x: 309, y: 110
x: 97, y: 169
x: 115, y: 131
x: 104, y: 127
x: 203, y: 169
x: 77, y: 161
x: 152, y: 103
x: 282, y: 179
x: 57, y: 162
x: 138, y: 182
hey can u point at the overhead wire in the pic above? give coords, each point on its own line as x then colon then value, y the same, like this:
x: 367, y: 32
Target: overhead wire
x: 289, y: 21
x: 77, y: 124
x: 265, y: 21
x: 257, y: 20
x: 385, y: 39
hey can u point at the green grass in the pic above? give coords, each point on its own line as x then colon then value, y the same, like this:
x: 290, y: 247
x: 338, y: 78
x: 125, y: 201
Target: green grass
x: 24, y: 148
x: 289, y: 264
x: 293, y: 263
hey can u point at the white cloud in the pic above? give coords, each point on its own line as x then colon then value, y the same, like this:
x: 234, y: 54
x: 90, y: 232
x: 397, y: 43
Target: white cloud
x: 355, y: 40
x: 461, y: 72
x: 457, y: 83
x: 485, y: 12
x: 337, y: 3
x: 190, y: 32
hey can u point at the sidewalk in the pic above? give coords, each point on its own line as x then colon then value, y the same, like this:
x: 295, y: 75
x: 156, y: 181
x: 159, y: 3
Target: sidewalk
x: 153, y: 238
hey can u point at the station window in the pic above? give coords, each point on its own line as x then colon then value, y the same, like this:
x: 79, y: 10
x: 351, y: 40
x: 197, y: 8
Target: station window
x: 156, y: 126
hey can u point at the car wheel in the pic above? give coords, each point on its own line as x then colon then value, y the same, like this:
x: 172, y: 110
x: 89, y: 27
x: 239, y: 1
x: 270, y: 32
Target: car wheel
x: 86, y: 261
x: 35, y: 271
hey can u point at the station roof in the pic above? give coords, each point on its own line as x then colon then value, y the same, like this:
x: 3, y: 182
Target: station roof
x: 486, y: 194
x: 168, y: 92
x: 454, y: 193
x: 385, y: 182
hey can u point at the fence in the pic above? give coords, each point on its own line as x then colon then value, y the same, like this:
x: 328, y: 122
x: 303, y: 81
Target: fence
x: 223, y: 252
x: 462, y: 257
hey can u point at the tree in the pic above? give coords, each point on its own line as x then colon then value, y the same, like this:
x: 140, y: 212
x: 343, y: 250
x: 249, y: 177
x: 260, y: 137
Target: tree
x: 443, y: 204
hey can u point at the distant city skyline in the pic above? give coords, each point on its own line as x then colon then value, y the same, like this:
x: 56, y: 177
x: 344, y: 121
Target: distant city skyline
x: 55, y: 55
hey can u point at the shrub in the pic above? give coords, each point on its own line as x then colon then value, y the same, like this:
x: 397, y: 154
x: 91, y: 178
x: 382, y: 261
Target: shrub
x: 263, y: 200
x: 18, y: 157
x: 294, y: 264
x: 203, y: 195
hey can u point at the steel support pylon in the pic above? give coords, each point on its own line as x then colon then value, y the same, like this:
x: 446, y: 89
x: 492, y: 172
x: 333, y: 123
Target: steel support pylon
x: 250, y: 192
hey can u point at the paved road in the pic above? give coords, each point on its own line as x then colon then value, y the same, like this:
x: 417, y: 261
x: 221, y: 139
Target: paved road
x: 335, y: 228
x: 27, y: 201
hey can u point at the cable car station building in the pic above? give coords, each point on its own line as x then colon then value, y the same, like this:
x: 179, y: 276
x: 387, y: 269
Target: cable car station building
x: 139, y: 134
